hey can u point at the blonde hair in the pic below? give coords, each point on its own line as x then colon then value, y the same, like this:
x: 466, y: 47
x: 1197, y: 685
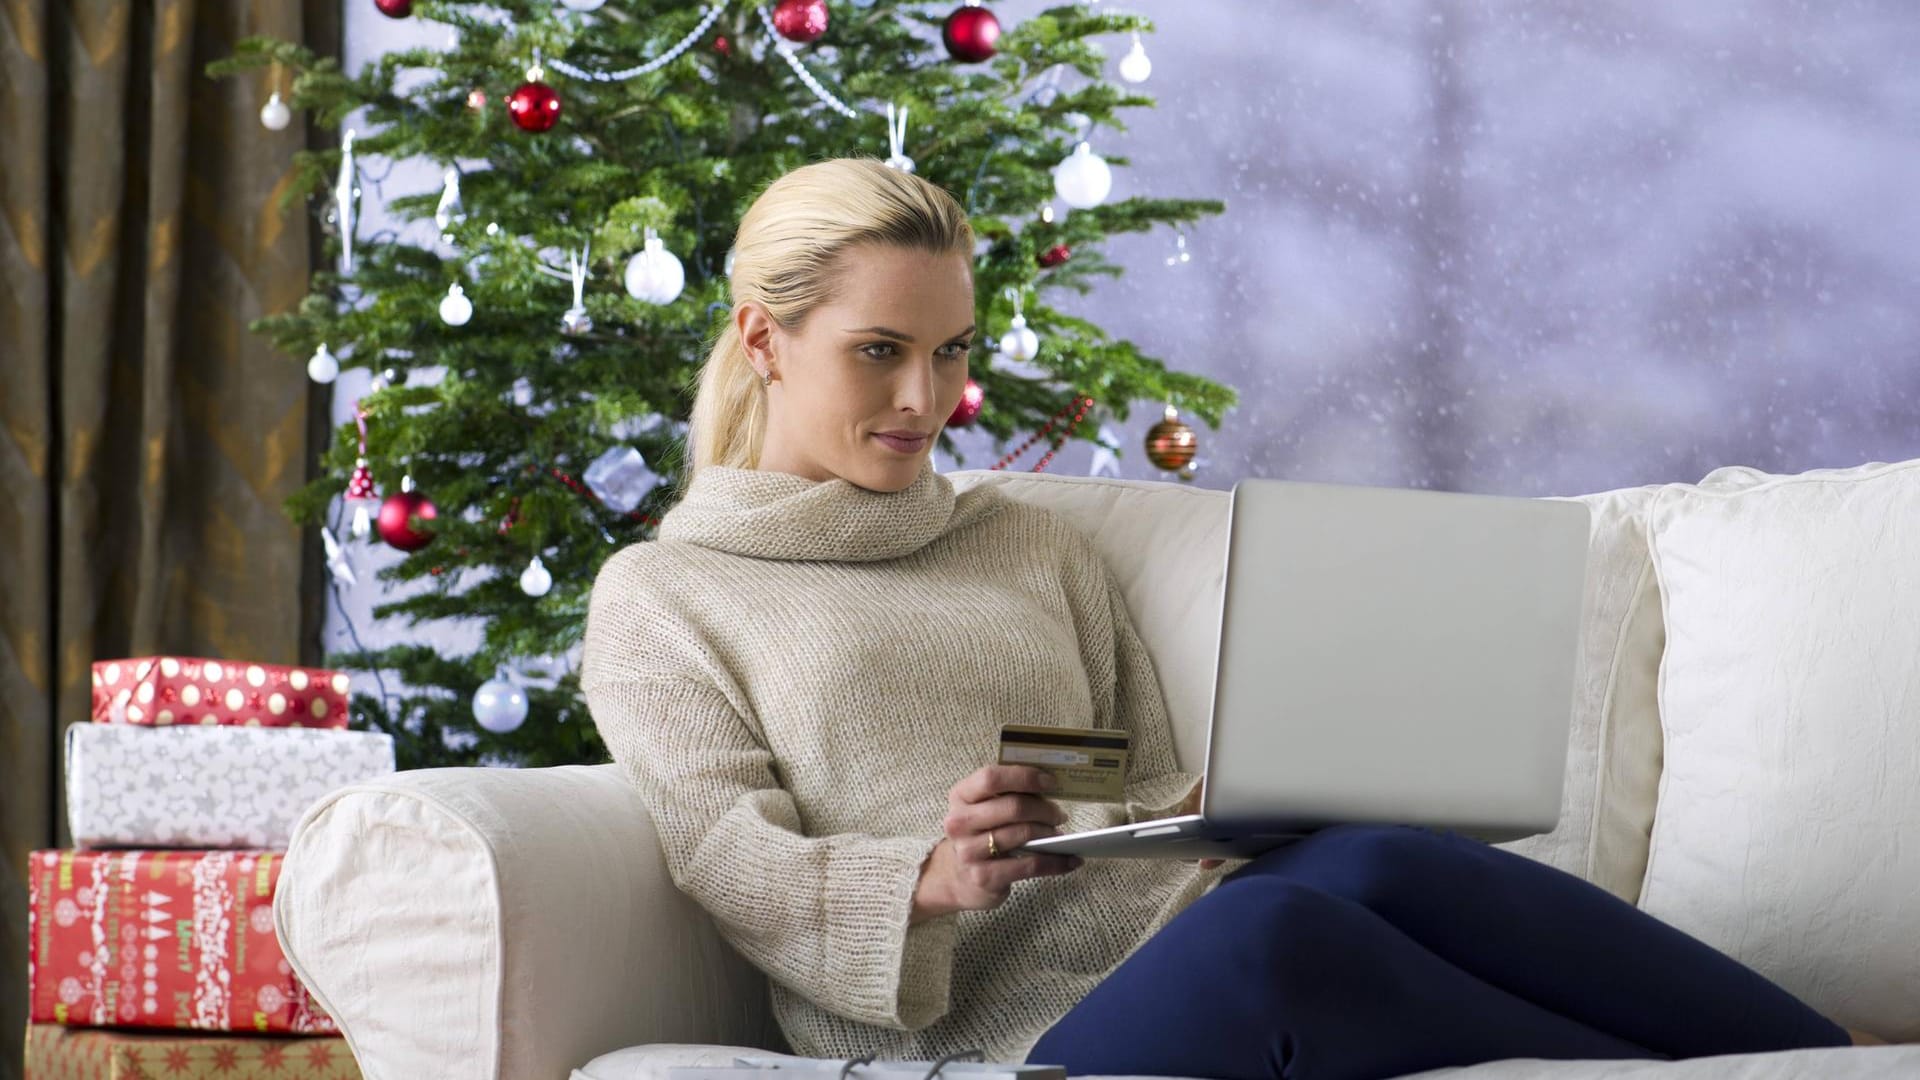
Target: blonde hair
x: 785, y: 257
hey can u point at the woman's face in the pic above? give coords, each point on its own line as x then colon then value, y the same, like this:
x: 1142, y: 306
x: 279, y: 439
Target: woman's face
x: 888, y: 356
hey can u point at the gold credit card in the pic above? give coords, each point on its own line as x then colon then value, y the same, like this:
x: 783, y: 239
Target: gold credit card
x: 1089, y: 763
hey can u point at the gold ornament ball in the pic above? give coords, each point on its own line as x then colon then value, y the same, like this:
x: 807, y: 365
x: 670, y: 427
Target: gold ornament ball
x: 1171, y: 443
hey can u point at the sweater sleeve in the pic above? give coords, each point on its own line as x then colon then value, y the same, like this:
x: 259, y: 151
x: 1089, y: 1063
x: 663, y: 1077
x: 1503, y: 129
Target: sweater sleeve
x: 827, y: 916
x: 1126, y: 694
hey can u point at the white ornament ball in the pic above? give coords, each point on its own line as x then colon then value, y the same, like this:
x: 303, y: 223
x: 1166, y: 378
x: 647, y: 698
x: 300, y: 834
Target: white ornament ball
x: 455, y: 308
x: 499, y: 706
x: 1019, y: 341
x: 536, y: 579
x: 274, y: 115
x: 1135, y: 67
x: 582, y: 5
x: 322, y: 366
x: 655, y: 274
x: 1083, y: 179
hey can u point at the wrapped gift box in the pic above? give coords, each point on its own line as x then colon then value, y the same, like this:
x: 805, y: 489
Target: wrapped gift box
x: 207, y: 787
x: 167, y: 691
x: 63, y: 1053
x: 166, y: 939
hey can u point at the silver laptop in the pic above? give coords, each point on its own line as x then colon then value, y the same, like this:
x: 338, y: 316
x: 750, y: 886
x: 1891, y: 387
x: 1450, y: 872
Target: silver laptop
x: 1386, y: 656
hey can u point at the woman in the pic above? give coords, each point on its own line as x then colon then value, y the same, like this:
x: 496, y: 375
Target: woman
x: 806, y: 672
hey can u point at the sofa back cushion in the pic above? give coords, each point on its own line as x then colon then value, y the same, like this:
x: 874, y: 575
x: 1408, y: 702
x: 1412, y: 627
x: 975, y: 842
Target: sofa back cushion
x: 1167, y: 545
x: 1790, y: 700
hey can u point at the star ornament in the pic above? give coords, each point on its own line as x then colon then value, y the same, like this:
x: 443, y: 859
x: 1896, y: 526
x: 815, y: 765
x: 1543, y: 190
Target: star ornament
x: 337, y: 562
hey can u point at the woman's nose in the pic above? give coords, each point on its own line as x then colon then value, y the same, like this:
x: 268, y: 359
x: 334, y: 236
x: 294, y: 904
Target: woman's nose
x: 916, y: 389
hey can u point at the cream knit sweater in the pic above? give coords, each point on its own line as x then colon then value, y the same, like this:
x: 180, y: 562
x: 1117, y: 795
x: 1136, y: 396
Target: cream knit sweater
x: 795, y: 673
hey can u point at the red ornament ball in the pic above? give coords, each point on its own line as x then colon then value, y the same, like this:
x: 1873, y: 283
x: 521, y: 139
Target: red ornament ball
x: 534, y: 106
x: 1055, y: 255
x: 721, y: 46
x: 800, y: 21
x: 402, y: 520
x: 969, y: 408
x: 394, y: 9
x: 969, y: 34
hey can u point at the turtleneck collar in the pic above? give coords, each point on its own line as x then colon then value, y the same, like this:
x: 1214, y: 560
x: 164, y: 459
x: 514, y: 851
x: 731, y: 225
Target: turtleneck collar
x: 776, y: 515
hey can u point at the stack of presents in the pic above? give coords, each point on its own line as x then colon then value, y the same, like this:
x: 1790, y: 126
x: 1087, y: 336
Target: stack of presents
x: 152, y: 947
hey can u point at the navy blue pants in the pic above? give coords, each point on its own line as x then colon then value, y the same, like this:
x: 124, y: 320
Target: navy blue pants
x: 1367, y: 951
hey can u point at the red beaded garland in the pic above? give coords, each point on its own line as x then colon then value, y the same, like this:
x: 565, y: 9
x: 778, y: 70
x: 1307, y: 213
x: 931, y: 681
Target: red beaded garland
x: 585, y: 492
x: 1084, y: 404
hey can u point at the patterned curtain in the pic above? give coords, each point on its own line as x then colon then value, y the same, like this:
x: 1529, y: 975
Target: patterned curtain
x: 147, y: 440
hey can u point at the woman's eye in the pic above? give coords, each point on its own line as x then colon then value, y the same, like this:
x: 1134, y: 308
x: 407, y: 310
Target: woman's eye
x: 957, y: 348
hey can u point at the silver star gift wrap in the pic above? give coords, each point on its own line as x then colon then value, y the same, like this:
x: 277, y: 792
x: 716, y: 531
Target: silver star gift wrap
x: 207, y: 787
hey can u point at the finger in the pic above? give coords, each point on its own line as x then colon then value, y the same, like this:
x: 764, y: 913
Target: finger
x: 991, y: 780
x: 1006, y: 838
x: 1010, y: 837
x: 1004, y: 810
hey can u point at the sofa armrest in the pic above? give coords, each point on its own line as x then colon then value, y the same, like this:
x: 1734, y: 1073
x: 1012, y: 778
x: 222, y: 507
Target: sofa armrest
x: 504, y: 923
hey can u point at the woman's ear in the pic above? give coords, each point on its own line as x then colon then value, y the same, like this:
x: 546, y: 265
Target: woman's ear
x: 755, y: 326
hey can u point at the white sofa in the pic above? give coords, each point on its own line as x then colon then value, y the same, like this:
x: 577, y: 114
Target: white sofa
x: 474, y: 923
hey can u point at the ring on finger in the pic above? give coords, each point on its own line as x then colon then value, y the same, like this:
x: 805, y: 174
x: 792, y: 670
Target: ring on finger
x: 993, y: 846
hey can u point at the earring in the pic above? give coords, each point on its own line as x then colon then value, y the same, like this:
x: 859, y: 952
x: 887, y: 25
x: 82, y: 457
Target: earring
x: 766, y: 379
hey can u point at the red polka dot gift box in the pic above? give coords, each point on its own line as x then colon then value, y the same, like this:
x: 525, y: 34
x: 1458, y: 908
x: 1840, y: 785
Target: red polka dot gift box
x: 174, y: 691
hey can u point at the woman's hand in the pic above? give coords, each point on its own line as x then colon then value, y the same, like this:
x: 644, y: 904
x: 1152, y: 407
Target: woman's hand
x: 1004, y: 802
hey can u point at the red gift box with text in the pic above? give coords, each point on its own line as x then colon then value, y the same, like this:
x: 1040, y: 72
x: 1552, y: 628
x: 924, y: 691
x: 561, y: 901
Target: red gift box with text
x: 181, y: 940
x: 163, y: 691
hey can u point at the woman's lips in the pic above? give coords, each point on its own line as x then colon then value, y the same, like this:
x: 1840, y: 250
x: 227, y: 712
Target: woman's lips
x: 905, y: 446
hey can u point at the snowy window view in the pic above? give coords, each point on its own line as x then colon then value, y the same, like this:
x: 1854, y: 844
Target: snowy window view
x: 1543, y: 248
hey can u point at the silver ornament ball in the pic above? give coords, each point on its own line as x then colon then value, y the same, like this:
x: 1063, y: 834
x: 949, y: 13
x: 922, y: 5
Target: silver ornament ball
x: 274, y: 115
x: 499, y: 706
x: 322, y: 367
x: 536, y: 579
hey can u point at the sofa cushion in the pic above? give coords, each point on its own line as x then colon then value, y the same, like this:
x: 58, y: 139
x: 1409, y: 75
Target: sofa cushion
x: 1167, y: 545
x: 1613, y: 747
x: 1790, y: 702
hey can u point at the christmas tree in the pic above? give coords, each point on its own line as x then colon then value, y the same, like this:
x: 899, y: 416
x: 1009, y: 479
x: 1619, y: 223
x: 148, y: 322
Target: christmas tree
x: 599, y: 154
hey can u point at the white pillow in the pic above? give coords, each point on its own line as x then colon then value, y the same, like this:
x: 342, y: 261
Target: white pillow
x: 1789, y: 698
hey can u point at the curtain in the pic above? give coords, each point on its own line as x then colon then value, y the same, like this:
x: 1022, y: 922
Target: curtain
x: 147, y: 440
